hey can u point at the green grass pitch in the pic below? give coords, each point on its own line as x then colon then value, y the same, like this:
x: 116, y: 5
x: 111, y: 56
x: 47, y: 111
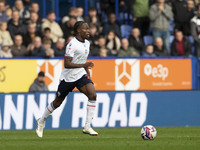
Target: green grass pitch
x: 168, y: 138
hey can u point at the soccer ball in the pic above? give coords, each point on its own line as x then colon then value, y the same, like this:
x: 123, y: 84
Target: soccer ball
x: 148, y: 132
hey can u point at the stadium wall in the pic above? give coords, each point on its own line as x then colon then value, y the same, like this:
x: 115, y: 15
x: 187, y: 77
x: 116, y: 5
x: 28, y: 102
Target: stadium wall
x: 19, y: 111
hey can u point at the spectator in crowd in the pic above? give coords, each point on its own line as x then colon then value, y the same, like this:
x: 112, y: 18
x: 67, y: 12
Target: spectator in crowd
x: 181, y: 14
x: 30, y: 35
x: 68, y: 27
x: 92, y: 17
x: 39, y: 84
x: 23, y: 12
x: 47, y: 47
x: 35, y: 8
x: 103, y: 52
x: 3, y: 16
x: 190, y: 13
x: 56, y: 31
x: 180, y: 45
x: 80, y: 11
x: 126, y: 50
x: 111, y: 25
x: 36, y: 48
x: 160, y: 15
x: 27, y: 4
x: 34, y: 20
x: 59, y: 50
x: 47, y: 34
x: 72, y: 12
x: 101, y: 45
x: 8, y: 13
x: 4, y: 34
x: 149, y: 51
x: 140, y: 11
x: 136, y: 41
x: 94, y: 35
x: 15, y: 25
x: 159, y: 48
x: 19, y: 50
x: 113, y: 42
x: 107, y: 7
x: 195, y: 31
x: 5, y: 51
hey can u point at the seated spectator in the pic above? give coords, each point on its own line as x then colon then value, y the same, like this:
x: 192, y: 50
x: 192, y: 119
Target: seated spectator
x: 195, y: 31
x: 39, y: 84
x: 136, y: 41
x: 3, y: 16
x: 36, y: 48
x: 72, y: 12
x: 35, y: 20
x: 149, y: 51
x: 35, y: 8
x: 103, y: 52
x: 9, y: 13
x: 30, y: 35
x: 19, y: 50
x: 68, y: 27
x: 80, y: 11
x: 159, y: 48
x: 180, y: 45
x: 47, y: 34
x: 4, y: 34
x: 101, y: 44
x: 92, y: 17
x: 113, y: 42
x: 160, y: 15
x: 5, y: 51
x: 15, y: 25
x: 56, y: 31
x: 47, y: 47
x: 23, y: 12
x: 27, y: 4
x: 126, y: 50
x: 94, y: 35
x: 111, y: 25
x: 59, y: 49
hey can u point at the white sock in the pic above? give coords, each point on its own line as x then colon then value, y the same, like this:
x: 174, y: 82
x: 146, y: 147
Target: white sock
x: 91, y: 106
x: 50, y: 108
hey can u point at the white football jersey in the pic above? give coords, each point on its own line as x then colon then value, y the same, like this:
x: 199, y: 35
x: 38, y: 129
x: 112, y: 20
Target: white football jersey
x: 78, y: 51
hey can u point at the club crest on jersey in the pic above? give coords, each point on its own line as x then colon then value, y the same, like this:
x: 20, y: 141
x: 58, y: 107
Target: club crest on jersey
x: 85, y: 51
x: 70, y: 44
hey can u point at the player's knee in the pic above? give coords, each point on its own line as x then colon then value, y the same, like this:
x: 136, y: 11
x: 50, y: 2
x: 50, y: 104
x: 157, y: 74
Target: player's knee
x: 92, y: 96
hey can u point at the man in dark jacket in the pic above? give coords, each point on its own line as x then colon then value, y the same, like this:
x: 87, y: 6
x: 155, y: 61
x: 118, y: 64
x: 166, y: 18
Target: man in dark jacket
x: 15, y: 25
x: 59, y: 50
x: 159, y: 48
x: 136, y: 41
x: 181, y: 14
x: 180, y: 45
x: 39, y: 84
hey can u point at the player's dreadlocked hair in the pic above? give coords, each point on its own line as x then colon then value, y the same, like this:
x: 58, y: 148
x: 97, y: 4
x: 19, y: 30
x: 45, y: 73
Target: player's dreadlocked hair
x: 77, y: 25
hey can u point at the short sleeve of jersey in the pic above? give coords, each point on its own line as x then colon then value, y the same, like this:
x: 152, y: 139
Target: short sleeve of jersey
x: 70, y: 50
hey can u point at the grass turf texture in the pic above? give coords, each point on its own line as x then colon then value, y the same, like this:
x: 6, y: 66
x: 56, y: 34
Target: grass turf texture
x: 170, y: 138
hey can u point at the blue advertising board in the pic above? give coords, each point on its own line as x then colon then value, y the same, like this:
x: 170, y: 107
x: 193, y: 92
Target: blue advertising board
x: 19, y: 111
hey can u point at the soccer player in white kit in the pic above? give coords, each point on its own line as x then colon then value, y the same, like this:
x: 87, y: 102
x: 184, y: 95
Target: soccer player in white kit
x: 75, y: 74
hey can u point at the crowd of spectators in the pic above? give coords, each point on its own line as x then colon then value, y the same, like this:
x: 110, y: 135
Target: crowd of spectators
x: 174, y: 26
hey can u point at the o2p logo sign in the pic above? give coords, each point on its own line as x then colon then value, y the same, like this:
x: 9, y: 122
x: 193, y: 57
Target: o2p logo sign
x: 158, y: 71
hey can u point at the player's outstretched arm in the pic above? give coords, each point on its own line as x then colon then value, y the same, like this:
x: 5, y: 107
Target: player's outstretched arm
x: 68, y: 64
